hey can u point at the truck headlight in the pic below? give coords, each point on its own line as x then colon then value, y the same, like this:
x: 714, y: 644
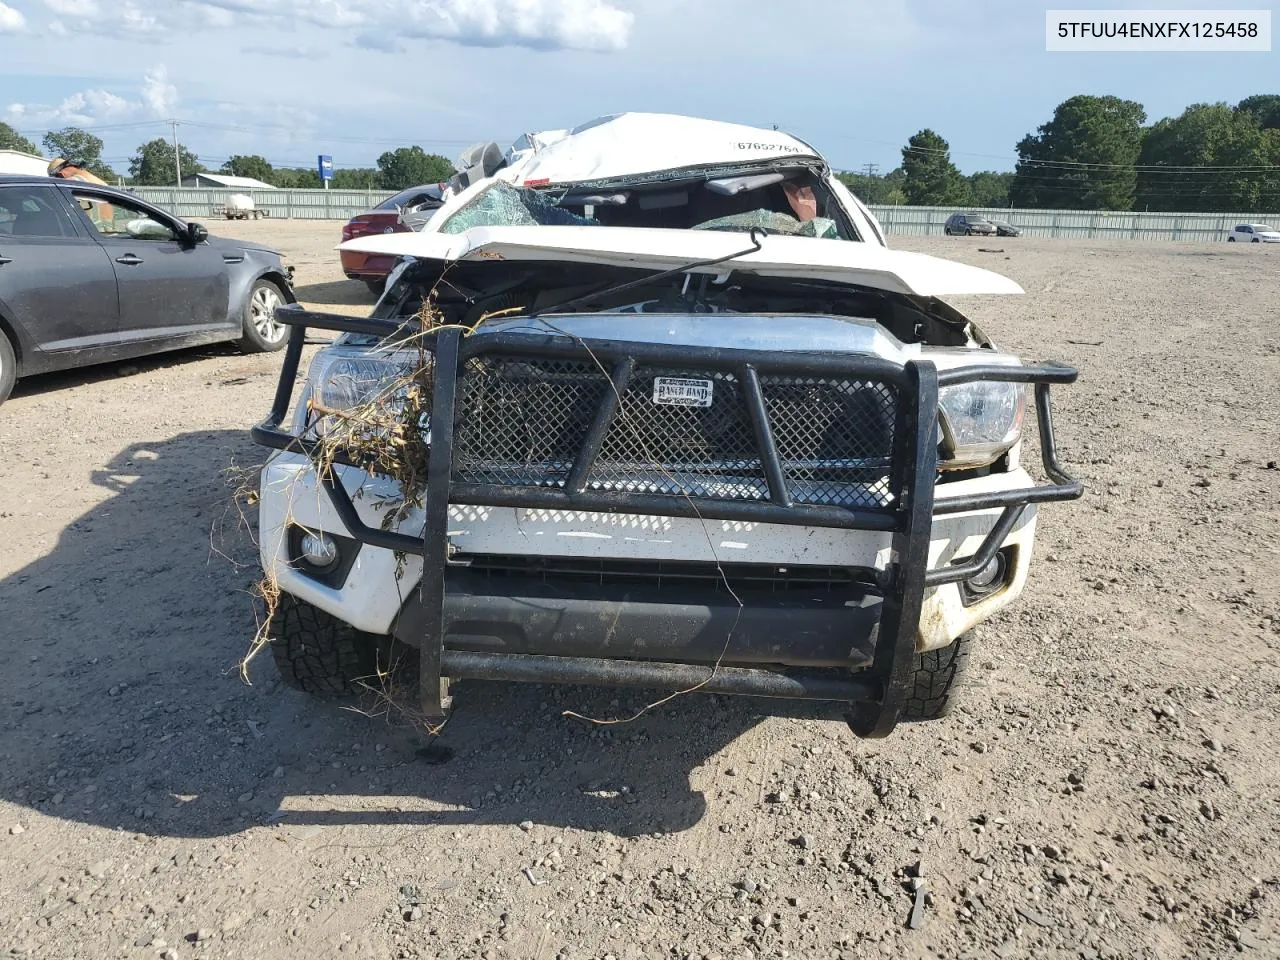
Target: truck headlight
x: 351, y: 380
x: 980, y: 421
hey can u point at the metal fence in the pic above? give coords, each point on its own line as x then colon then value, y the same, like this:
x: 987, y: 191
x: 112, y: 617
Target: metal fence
x: 196, y: 203
x: 1085, y: 224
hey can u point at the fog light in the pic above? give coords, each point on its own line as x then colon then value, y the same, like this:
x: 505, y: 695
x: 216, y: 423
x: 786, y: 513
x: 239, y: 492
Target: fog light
x: 984, y: 578
x: 990, y: 579
x: 318, y: 549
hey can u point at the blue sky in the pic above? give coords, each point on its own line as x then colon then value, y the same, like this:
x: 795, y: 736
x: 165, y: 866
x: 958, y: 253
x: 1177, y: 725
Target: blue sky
x: 292, y: 78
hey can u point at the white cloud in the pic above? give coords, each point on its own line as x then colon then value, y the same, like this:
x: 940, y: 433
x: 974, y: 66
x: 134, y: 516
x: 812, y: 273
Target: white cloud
x: 597, y: 25
x: 86, y: 108
x: 11, y: 20
x: 74, y: 8
x: 542, y: 24
x: 125, y: 19
x: 158, y: 93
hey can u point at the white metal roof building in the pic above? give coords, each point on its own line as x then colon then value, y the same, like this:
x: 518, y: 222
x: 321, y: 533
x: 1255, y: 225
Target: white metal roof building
x: 25, y: 164
x: 226, y: 181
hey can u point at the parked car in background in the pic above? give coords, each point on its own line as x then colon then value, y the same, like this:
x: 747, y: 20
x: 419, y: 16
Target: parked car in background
x: 1254, y: 233
x: 90, y: 274
x: 1005, y: 229
x: 968, y: 224
x: 384, y: 218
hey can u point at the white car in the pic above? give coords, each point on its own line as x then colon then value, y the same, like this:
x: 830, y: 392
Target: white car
x: 655, y: 407
x: 1254, y: 233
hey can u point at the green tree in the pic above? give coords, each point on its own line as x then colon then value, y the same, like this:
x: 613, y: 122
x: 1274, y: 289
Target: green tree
x: 152, y: 165
x: 251, y: 165
x: 1265, y: 108
x: 357, y: 178
x: 1083, y: 158
x: 411, y: 166
x: 929, y: 176
x: 296, y: 178
x: 881, y: 190
x: 1227, y: 145
x: 79, y: 147
x: 11, y: 139
x: 989, y: 188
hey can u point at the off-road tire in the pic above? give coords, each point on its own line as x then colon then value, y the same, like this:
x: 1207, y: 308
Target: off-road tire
x: 316, y: 652
x: 936, y: 682
x: 376, y: 286
x: 8, y: 368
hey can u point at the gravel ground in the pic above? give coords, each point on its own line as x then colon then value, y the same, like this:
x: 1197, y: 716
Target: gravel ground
x: 1109, y: 788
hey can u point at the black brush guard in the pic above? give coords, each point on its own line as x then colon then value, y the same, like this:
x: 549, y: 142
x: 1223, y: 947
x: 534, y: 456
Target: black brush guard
x: 875, y: 694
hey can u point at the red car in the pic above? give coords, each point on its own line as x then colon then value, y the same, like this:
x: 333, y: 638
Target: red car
x: 373, y: 268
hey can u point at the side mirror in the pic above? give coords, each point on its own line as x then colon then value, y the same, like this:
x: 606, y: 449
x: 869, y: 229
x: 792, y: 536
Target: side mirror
x: 196, y: 233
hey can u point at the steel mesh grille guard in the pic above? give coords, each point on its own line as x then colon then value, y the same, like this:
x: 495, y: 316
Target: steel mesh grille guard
x: 523, y: 423
x: 807, y: 439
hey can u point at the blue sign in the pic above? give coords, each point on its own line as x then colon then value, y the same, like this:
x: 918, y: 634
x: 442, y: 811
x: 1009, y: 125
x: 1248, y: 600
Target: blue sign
x: 325, y: 165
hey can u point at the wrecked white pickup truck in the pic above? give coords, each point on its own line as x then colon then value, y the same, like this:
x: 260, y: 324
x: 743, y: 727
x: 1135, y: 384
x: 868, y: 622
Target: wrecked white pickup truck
x: 655, y: 407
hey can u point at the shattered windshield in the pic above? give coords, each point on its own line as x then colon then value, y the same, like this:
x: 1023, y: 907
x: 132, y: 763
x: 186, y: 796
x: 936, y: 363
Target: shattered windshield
x: 503, y: 205
x: 789, y: 202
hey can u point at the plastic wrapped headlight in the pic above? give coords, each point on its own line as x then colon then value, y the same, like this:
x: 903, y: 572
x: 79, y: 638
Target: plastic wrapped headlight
x: 980, y: 421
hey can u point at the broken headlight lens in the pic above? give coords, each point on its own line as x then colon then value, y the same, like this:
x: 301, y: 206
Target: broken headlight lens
x: 980, y: 421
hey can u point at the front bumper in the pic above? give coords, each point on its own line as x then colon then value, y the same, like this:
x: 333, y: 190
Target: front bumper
x: 612, y: 636
x: 380, y: 589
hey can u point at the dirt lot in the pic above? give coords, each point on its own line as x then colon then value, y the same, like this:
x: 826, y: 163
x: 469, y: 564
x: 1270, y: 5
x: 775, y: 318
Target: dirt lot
x: 1109, y: 790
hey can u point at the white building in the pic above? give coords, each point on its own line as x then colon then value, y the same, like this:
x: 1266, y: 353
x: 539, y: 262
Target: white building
x: 224, y: 181
x: 25, y: 164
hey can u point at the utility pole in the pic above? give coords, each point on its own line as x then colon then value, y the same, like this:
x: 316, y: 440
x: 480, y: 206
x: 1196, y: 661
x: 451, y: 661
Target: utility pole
x: 177, y: 157
x: 871, y: 168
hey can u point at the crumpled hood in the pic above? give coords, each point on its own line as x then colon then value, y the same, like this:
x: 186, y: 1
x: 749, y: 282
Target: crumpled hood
x: 864, y: 264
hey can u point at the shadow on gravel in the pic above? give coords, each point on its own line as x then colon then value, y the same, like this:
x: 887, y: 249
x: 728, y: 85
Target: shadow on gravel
x: 121, y: 707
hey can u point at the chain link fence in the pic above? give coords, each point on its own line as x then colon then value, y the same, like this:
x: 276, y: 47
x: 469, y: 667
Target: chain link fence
x: 198, y: 203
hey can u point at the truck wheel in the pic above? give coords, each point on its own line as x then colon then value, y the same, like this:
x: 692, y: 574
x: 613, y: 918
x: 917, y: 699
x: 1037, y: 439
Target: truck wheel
x: 262, y: 332
x: 8, y: 368
x: 316, y: 652
x: 934, y: 687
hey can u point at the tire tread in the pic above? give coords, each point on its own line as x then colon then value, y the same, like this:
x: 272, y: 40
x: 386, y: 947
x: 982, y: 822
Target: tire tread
x: 935, y: 683
x: 317, y: 653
